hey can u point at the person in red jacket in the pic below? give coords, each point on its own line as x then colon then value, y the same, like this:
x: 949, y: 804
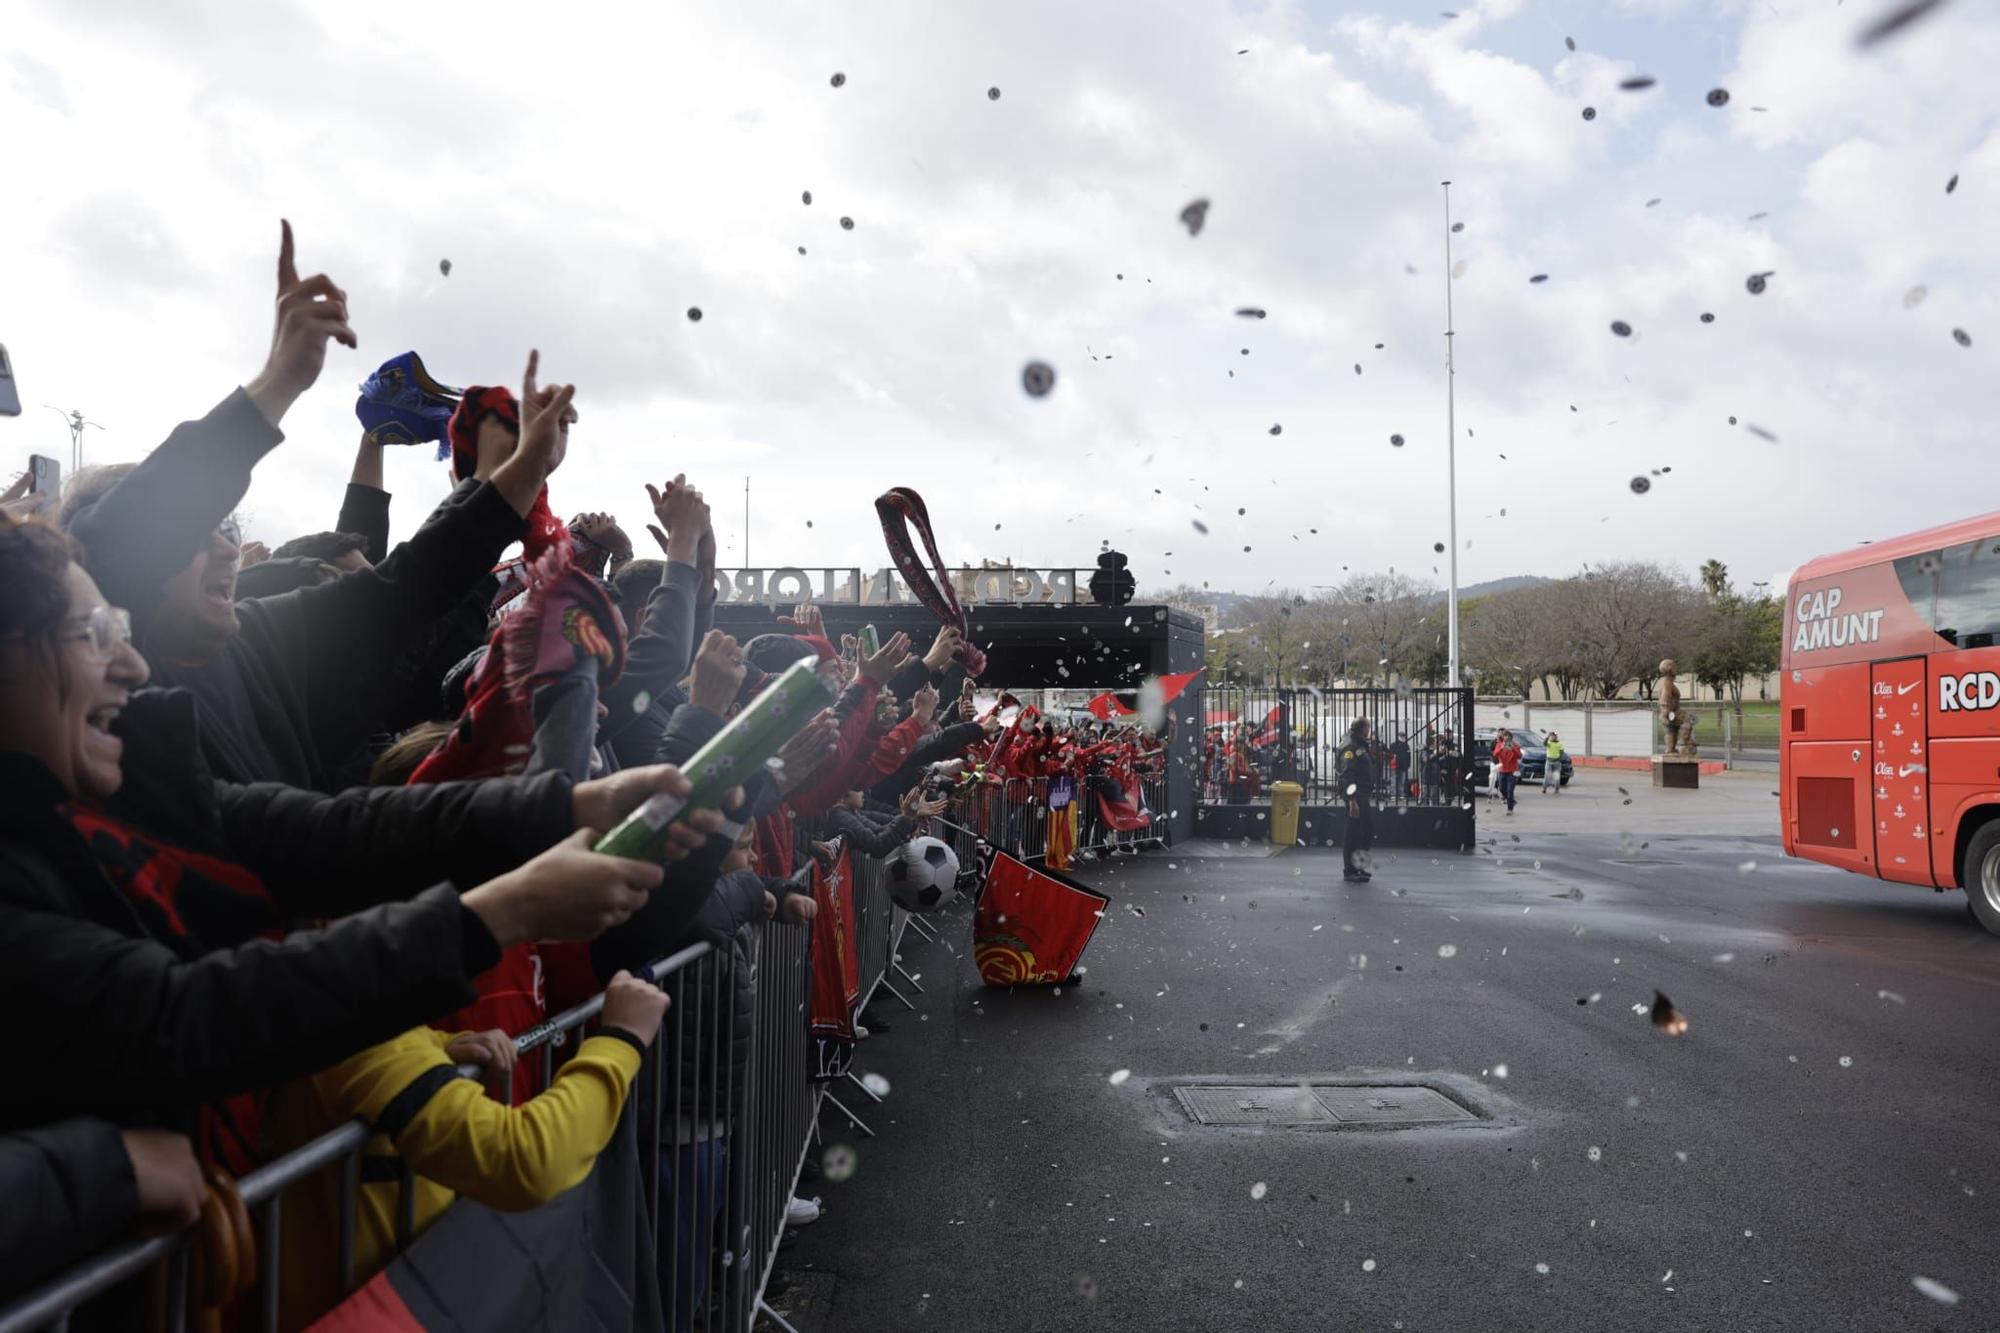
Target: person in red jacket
x: 1507, y: 765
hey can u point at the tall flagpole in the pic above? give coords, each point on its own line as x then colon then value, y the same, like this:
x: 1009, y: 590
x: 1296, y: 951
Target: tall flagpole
x: 1451, y: 444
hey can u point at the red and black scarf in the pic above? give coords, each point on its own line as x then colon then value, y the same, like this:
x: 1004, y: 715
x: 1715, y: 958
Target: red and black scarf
x: 899, y: 508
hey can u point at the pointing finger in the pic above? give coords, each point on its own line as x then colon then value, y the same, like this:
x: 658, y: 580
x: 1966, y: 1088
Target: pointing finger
x: 288, y: 273
x: 528, y: 380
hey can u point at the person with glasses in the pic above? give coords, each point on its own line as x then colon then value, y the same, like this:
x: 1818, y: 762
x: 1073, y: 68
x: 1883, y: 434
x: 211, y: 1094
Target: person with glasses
x: 292, y: 688
x: 144, y: 904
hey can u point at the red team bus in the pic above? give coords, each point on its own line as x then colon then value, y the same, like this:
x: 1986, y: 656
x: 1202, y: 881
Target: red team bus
x: 1890, y: 758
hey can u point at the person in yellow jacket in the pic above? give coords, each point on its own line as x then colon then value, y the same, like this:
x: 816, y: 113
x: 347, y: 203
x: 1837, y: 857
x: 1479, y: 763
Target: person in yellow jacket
x: 456, y: 1139
x: 1552, y: 765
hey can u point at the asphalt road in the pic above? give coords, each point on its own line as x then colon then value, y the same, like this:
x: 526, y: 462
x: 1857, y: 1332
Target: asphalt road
x: 1821, y: 1137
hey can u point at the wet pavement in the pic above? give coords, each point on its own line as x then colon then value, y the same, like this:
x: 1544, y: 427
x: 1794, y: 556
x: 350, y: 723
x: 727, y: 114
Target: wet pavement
x: 1822, y: 1136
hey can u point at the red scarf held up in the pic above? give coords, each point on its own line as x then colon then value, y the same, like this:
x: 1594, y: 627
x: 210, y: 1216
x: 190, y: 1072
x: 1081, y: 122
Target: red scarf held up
x: 545, y: 530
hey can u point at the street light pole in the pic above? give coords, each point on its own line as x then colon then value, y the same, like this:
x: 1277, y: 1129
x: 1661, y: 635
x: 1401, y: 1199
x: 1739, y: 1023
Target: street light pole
x: 1451, y: 448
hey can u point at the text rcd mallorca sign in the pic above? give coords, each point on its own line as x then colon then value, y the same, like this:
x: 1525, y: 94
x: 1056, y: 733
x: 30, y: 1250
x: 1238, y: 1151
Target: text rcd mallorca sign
x: 1968, y: 692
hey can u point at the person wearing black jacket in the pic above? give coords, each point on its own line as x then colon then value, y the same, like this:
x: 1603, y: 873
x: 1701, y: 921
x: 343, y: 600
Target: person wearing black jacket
x: 75, y: 1185
x: 669, y: 608
x: 1356, y: 780
x: 292, y: 687
x: 129, y: 920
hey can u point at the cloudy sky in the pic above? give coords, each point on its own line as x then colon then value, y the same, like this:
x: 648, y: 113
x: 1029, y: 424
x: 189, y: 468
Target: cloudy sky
x: 591, y: 172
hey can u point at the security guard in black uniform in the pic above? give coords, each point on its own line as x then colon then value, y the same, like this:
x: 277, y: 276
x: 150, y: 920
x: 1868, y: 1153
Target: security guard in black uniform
x: 1356, y: 777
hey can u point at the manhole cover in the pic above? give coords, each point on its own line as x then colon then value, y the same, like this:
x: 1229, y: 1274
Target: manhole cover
x: 1331, y: 1105
x: 1251, y: 1104
x: 1391, y: 1105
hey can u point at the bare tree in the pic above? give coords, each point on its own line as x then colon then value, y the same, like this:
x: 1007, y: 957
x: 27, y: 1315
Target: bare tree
x: 1623, y: 618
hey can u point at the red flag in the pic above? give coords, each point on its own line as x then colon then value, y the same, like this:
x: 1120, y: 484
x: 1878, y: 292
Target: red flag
x: 1105, y: 705
x: 836, y: 970
x: 1119, y: 805
x: 1268, y: 733
x: 1172, y: 687
x: 1032, y: 926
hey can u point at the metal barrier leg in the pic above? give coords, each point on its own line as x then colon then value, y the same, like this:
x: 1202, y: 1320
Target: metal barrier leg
x: 898, y: 994
x: 907, y: 977
x: 856, y: 1081
x: 922, y: 929
x: 268, y: 1239
x: 772, y: 1315
x: 852, y: 1118
x: 350, y: 1196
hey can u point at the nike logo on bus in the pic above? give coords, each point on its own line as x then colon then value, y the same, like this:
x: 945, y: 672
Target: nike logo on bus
x: 1905, y: 689
x: 1909, y: 769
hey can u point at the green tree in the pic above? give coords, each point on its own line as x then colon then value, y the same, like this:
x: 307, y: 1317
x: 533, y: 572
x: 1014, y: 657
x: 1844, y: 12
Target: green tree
x: 1714, y: 578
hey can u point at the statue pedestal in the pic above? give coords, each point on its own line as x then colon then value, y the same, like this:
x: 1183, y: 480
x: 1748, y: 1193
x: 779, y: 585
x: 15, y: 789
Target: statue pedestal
x: 1677, y: 770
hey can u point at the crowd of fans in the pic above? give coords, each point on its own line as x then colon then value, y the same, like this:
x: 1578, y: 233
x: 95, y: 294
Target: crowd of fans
x: 1240, y: 761
x: 292, y: 835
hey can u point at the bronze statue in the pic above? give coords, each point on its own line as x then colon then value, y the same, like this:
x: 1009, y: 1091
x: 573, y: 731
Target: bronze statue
x: 1676, y: 726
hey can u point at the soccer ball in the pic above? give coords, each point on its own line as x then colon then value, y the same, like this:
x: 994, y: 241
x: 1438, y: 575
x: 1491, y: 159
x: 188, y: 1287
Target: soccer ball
x: 923, y: 876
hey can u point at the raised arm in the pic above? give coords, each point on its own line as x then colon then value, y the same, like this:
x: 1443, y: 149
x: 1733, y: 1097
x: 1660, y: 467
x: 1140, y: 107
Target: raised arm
x: 148, y: 526
x: 364, y: 510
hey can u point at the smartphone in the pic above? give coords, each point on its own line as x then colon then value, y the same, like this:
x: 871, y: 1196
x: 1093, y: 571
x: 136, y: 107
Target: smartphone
x: 44, y: 475
x: 871, y: 642
x: 10, y: 397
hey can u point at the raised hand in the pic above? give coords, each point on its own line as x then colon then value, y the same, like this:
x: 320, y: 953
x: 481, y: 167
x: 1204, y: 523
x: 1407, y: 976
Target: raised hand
x: 942, y: 647
x: 883, y: 664
x: 924, y: 704
x: 807, y: 750
x: 718, y: 672
x: 309, y: 313
x: 683, y: 519
x: 546, y: 414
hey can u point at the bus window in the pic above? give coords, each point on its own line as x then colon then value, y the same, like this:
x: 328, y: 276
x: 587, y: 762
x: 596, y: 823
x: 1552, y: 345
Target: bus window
x: 1919, y: 576
x: 1968, y: 594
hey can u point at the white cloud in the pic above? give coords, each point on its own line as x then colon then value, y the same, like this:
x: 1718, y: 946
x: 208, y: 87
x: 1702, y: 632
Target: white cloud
x: 591, y: 179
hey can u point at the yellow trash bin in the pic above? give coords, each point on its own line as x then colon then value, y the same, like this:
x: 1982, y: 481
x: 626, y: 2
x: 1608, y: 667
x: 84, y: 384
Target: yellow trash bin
x: 1285, y: 813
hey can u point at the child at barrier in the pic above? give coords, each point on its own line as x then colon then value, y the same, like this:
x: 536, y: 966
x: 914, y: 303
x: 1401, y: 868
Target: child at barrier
x: 456, y: 1139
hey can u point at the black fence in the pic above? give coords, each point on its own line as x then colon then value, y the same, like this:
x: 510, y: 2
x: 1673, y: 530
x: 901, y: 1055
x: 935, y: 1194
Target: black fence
x: 1254, y: 736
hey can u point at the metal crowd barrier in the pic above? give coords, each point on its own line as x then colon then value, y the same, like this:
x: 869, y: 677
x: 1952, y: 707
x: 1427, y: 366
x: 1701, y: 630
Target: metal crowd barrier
x: 723, y: 1139
x: 1014, y: 815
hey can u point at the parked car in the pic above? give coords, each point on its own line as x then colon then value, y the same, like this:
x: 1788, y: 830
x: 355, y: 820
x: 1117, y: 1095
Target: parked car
x: 1534, y: 758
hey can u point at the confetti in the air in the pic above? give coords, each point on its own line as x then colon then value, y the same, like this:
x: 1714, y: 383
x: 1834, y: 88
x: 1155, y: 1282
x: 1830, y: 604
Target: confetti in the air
x: 847, y: 224
x: 1396, y: 440
x: 992, y: 94
x: 1200, y: 526
x: 837, y: 1163
x: 1951, y: 184
x: 694, y: 314
x: 1640, y: 485
x: 1707, y: 318
x: 1667, y: 1018
x: 1259, y: 1190
x: 1915, y: 296
x: 806, y: 197
x: 1637, y: 83
x: 1438, y: 547
x: 1621, y: 328
x: 1539, y: 277
x: 1895, y: 21
x: 1570, y: 42
x: 839, y: 80
x: 1038, y: 377
x: 1251, y: 311
x: 1718, y: 97
x: 1934, y: 1289
x: 1194, y: 216
x: 444, y: 267
x: 1590, y: 113
x: 1118, y: 1076
x: 1277, y: 429
x: 1754, y: 284
x: 1961, y: 337
x: 876, y: 1084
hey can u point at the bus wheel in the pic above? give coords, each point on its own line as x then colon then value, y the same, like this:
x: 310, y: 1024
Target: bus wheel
x: 1982, y: 877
